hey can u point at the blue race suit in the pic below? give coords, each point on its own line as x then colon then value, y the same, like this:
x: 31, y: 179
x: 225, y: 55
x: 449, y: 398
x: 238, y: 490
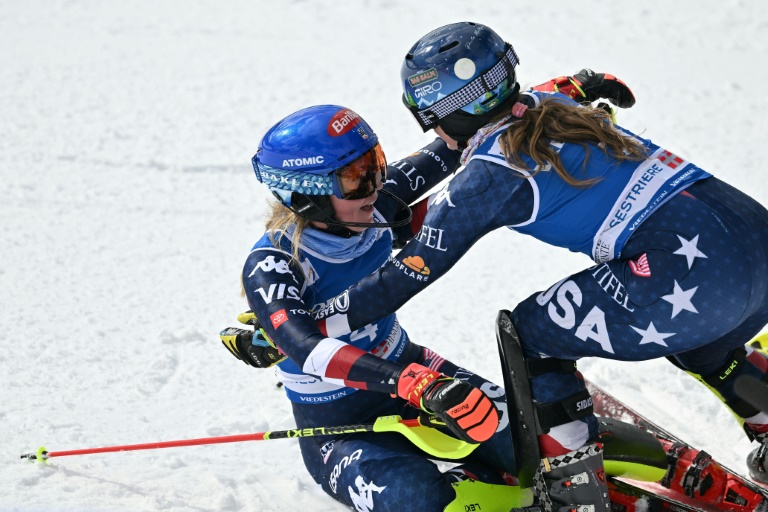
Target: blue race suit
x: 326, y: 379
x: 681, y: 258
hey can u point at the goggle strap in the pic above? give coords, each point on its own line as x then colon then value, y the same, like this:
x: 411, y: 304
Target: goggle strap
x: 486, y: 82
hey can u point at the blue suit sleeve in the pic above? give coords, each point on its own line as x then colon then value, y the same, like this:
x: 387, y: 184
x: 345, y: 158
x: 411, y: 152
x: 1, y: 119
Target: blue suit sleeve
x: 480, y: 199
x: 412, y: 177
x: 274, y: 284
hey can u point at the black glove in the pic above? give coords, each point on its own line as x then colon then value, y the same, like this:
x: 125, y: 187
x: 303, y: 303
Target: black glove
x: 254, y: 348
x: 604, y: 86
x: 587, y: 86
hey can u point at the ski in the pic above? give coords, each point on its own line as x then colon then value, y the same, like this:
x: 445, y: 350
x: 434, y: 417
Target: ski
x: 691, y: 473
x: 694, y: 482
x: 625, y: 495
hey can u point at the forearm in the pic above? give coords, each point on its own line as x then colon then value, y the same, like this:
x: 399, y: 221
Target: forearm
x: 273, y: 288
x: 474, y: 203
x: 338, y: 362
x: 415, y: 175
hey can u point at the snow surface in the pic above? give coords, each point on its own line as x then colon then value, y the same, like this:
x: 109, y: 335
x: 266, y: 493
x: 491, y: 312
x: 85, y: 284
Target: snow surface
x: 128, y: 205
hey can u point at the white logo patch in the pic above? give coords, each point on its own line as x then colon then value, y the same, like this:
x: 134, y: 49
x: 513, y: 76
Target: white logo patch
x: 363, y: 498
x: 278, y: 292
x: 299, y: 162
x: 343, y: 463
x: 564, y: 307
x: 443, y: 195
x: 496, y: 394
x: 269, y: 264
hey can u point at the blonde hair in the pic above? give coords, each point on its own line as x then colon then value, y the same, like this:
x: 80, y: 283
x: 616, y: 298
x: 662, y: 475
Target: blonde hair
x: 556, y: 121
x: 279, y: 219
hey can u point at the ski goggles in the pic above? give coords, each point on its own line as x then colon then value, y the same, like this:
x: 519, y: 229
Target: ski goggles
x: 356, y: 180
x: 361, y: 178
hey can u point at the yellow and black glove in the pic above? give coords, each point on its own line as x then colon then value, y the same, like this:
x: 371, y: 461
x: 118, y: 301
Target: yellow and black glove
x: 254, y: 348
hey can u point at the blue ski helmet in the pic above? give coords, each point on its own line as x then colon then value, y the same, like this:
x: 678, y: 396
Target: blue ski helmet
x: 300, y: 153
x: 459, y: 67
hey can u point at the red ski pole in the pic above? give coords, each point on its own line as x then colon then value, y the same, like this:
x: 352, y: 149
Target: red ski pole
x: 426, y: 438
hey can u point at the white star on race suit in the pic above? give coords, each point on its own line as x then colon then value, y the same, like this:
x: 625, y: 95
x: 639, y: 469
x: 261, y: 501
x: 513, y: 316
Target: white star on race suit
x: 689, y: 249
x: 651, y: 335
x: 681, y: 299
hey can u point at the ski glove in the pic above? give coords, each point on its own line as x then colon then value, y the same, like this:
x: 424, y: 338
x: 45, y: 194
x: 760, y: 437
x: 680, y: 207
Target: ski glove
x: 467, y: 412
x: 587, y: 86
x: 254, y: 348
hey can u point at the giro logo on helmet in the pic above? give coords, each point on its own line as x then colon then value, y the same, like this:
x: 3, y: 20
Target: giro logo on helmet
x: 428, y: 89
x: 342, y: 122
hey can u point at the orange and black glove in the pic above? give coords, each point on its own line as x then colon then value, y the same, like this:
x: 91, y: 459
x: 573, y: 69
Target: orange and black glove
x: 587, y: 86
x: 467, y: 412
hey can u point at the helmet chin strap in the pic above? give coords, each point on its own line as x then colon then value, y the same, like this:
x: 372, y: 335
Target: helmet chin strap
x: 340, y: 228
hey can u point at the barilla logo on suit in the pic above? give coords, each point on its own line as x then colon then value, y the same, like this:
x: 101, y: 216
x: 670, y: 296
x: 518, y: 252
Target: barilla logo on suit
x: 342, y: 122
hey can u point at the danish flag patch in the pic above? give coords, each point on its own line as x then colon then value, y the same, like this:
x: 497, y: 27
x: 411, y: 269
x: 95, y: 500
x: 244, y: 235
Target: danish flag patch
x: 640, y: 266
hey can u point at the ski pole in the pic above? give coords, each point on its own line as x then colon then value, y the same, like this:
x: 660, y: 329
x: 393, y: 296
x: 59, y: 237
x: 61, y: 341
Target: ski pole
x: 428, y: 439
